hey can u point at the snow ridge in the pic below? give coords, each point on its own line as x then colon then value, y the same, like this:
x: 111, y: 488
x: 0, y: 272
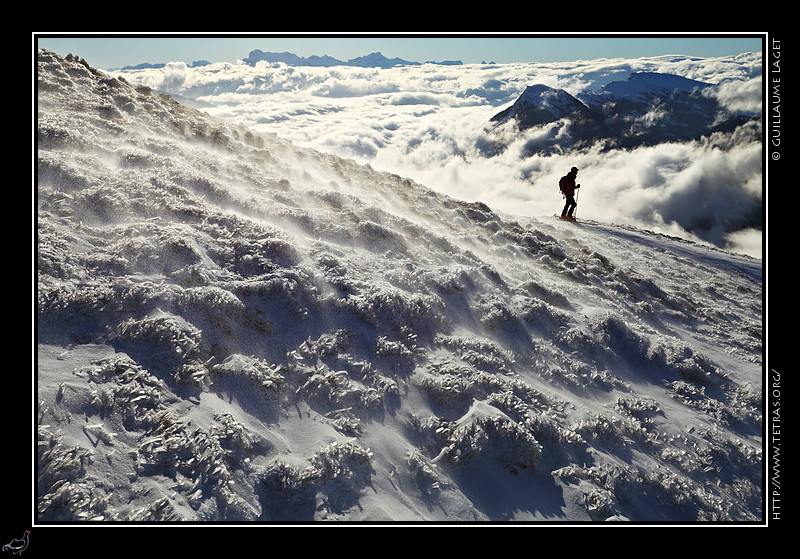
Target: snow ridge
x: 234, y: 329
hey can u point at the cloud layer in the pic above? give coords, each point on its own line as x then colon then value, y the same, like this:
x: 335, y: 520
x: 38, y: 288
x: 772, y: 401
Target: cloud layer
x: 431, y: 123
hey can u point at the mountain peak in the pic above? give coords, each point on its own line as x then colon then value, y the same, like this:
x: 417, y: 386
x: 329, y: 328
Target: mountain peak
x: 377, y: 59
x: 539, y: 104
x: 546, y: 96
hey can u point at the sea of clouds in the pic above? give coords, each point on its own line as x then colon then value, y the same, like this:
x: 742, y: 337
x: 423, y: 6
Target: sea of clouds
x: 431, y: 123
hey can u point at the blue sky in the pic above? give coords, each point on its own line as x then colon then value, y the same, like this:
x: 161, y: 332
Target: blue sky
x: 113, y: 52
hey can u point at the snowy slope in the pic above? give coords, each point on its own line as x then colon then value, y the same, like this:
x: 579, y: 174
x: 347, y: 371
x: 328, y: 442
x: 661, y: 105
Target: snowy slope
x: 231, y: 328
x: 643, y: 86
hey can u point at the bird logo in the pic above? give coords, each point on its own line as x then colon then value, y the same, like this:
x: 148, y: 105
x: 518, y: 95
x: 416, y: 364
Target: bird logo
x: 18, y: 545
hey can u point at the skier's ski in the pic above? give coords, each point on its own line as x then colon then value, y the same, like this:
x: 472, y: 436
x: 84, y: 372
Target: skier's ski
x: 565, y: 218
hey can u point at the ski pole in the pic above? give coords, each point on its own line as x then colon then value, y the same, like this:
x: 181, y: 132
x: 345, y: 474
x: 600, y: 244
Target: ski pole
x: 577, y: 195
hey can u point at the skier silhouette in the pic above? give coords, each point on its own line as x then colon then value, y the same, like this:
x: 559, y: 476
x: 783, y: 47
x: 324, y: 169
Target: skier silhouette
x: 568, y: 186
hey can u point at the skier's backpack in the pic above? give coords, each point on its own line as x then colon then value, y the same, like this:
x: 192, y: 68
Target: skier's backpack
x: 561, y: 184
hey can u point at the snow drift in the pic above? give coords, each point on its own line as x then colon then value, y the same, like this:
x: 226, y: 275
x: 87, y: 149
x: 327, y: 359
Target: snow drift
x: 231, y: 328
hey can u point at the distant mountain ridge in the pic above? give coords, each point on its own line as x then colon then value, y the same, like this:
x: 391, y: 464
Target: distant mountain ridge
x: 647, y: 109
x: 372, y: 60
x: 156, y: 65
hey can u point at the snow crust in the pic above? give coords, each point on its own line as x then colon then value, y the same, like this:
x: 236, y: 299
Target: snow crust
x: 231, y: 328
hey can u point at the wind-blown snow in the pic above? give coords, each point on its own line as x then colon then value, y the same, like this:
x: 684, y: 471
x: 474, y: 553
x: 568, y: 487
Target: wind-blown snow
x: 431, y: 123
x: 233, y: 328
